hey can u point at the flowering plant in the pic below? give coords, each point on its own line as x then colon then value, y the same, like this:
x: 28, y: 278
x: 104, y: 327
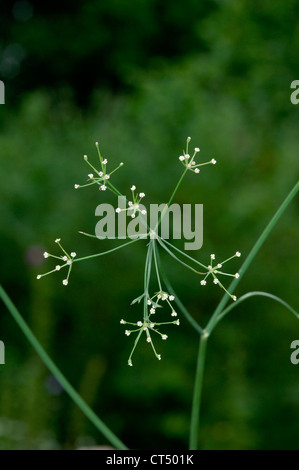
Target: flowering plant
x: 153, y: 300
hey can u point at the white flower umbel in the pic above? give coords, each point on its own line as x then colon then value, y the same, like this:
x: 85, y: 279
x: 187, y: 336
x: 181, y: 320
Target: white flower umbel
x: 188, y: 161
x: 99, y: 177
x: 146, y: 326
x: 214, y: 272
x: 133, y: 208
x: 66, y: 258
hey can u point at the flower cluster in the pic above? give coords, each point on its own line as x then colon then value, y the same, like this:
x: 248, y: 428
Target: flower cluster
x: 66, y: 258
x: 134, y: 206
x: 147, y: 325
x: 189, y: 163
x: 161, y: 298
x: 100, y: 177
x: 215, y: 271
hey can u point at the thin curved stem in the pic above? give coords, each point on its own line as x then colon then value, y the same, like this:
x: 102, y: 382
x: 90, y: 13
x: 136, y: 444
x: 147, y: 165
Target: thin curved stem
x: 98, y: 423
x: 253, y: 252
x: 106, y: 252
x: 177, y: 300
x: 214, y: 319
x: 253, y: 294
x: 176, y: 258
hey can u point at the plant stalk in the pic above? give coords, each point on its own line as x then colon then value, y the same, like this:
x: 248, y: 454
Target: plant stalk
x: 197, y: 393
x: 98, y: 423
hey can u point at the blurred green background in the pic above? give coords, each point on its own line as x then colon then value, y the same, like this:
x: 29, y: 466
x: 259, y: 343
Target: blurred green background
x: 139, y: 77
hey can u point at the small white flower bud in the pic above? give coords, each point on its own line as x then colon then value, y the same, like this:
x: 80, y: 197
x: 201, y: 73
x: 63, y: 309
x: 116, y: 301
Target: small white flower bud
x: 64, y: 258
x: 122, y: 321
x: 133, y: 187
x: 118, y: 210
x: 90, y: 175
x: 139, y: 323
x: 212, y: 256
x: 174, y: 314
x: 65, y: 282
x: 164, y: 336
x: 234, y: 298
x: 57, y: 267
x: 38, y: 276
x: 101, y: 174
x: 127, y: 332
x: 105, y: 161
x: 215, y: 281
x: 177, y: 322
x: 130, y: 362
x: 57, y: 240
x: 85, y: 157
x: 213, y: 161
x: 237, y: 275
x: 196, y: 149
x: 238, y: 254
x: 197, y: 170
x: 203, y: 282
x: 159, y: 357
x: 143, y: 212
x: 46, y: 254
x: 73, y: 254
x: 171, y: 297
x: 76, y: 186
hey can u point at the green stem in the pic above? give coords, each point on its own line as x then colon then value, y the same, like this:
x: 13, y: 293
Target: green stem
x: 156, y: 265
x: 176, y: 258
x: 256, y: 247
x: 197, y: 393
x: 106, y: 252
x: 170, y: 200
x: 178, y: 302
x: 253, y: 294
x: 110, y: 436
x: 215, y: 317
